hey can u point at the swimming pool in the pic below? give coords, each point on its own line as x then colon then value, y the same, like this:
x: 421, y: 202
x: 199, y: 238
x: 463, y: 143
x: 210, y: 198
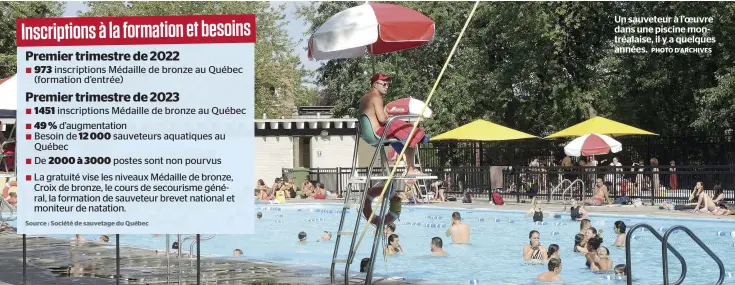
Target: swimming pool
x: 493, y: 257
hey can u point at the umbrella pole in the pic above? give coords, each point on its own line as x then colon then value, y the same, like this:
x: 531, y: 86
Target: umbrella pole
x: 372, y: 62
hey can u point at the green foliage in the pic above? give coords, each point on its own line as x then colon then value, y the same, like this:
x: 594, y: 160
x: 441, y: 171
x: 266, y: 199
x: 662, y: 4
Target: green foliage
x: 276, y: 66
x: 9, y: 11
x: 542, y: 66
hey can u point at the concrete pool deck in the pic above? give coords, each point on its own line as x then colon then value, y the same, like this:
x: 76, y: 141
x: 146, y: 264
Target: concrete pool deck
x: 60, y: 261
x: 554, y: 206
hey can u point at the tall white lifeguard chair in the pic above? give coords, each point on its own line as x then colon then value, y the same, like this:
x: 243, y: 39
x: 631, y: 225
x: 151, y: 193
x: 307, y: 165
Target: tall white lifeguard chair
x: 366, y: 133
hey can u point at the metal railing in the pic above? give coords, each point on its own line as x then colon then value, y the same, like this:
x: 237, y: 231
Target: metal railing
x: 699, y: 242
x: 652, y: 186
x: 666, y: 245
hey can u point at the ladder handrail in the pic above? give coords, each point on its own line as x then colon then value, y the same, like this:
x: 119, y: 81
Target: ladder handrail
x: 557, y: 187
x: 699, y: 242
x: 191, y: 246
x: 570, y: 187
x: 628, y: 267
x: 13, y: 210
x: 347, y: 197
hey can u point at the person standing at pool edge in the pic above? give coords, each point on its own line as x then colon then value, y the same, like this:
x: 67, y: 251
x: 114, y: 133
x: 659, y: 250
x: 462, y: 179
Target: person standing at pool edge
x: 458, y: 231
x: 371, y: 104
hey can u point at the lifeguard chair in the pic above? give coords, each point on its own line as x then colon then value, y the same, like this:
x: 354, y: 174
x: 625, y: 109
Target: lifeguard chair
x: 366, y: 133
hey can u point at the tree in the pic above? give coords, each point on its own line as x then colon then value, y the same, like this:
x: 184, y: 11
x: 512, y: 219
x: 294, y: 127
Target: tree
x: 542, y: 66
x: 278, y: 72
x: 9, y: 11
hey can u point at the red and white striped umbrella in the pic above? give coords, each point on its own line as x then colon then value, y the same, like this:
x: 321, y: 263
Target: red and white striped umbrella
x: 592, y: 144
x: 407, y: 106
x: 8, y: 97
x: 374, y: 28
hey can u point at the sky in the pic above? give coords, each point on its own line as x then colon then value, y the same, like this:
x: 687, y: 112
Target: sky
x: 296, y: 27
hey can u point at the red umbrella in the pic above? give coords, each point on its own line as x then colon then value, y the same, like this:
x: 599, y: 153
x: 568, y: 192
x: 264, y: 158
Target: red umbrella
x: 373, y: 28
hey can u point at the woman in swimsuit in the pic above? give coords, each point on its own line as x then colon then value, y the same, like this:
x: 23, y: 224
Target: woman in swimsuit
x: 620, y: 230
x: 693, y: 200
x: 577, y: 212
x: 553, y: 251
x: 534, y: 250
x: 393, y: 245
x: 536, y: 211
x: 262, y: 190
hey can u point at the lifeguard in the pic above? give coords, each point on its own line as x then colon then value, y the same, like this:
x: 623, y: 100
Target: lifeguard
x: 371, y: 104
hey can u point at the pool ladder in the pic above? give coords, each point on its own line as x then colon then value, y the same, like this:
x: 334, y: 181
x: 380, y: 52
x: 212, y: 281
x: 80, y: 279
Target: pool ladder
x: 366, y: 182
x: 665, y: 247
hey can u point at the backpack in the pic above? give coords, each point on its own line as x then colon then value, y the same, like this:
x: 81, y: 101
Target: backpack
x: 497, y: 199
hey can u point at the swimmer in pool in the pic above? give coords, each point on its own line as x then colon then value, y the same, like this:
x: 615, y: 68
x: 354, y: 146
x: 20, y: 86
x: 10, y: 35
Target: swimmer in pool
x: 237, y: 252
x: 364, y: 264
x: 302, y: 237
x: 537, y: 212
x: 458, y: 231
x: 102, y: 239
x: 584, y: 225
x: 259, y: 215
x: 394, y: 245
x: 577, y: 212
x: 620, y: 230
x: 592, y: 246
x: 552, y: 275
x: 553, y: 251
x: 325, y: 236
x: 436, y: 247
x: 620, y: 271
x: 389, y: 229
x: 602, y: 260
x: 534, y: 251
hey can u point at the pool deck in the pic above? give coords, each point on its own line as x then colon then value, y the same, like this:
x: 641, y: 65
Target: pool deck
x: 66, y: 262
x: 554, y: 206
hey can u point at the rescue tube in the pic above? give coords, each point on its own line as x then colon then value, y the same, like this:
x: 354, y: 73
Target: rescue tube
x: 394, y: 209
x: 6, y: 190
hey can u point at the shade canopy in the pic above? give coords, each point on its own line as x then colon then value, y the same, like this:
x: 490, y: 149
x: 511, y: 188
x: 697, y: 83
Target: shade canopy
x: 373, y: 28
x: 482, y: 130
x: 600, y: 125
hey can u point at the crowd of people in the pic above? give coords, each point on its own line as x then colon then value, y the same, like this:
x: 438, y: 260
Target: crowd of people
x: 287, y: 189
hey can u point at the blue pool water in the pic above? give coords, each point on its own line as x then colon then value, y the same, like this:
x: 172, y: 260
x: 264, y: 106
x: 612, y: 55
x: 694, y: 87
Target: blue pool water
x: 493, y: 257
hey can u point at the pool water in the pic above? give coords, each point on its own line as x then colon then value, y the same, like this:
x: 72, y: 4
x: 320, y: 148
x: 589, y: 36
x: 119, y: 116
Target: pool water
x: 493, y: 257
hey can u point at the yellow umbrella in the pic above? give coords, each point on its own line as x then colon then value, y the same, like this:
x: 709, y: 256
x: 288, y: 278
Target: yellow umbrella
x: 482, y: 130
x: 600, y: 125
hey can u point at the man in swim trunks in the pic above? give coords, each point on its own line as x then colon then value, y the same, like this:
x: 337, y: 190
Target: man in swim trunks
x: 436, y: 247
x: 600, y: 196
x: 459, y: 231
x: 371, y: 104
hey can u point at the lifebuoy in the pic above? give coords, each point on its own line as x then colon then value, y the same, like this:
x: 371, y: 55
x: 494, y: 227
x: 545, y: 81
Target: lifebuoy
x: 6, y: 190
x: 394, y: 208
